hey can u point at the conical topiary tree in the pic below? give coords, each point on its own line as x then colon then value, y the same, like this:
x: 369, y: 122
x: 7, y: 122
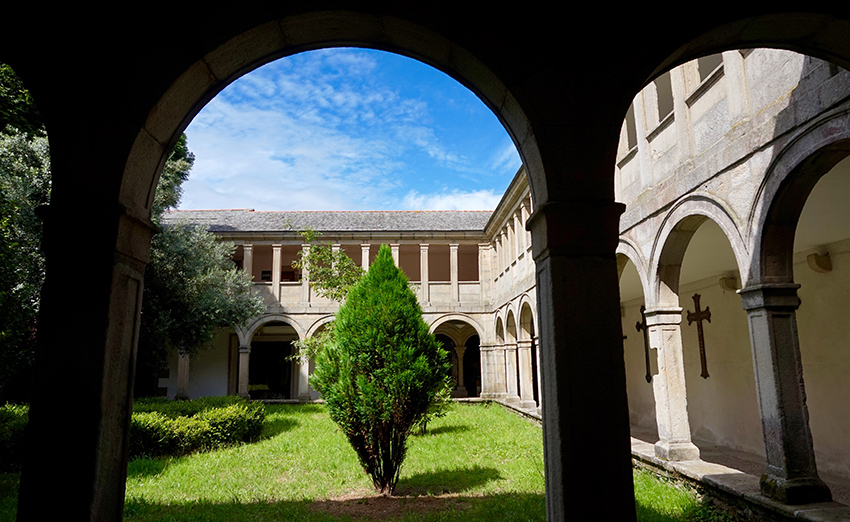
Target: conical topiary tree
x: 382, y: 371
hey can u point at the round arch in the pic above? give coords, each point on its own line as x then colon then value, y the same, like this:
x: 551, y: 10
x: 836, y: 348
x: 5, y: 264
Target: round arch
x: 257, y: 323
x: 527, y: 316
x: 628, y: 251
x: 318, y: 324
x: 211, y: 73
x: 783, y: 193
x: 674, y: 235
x: 439, y: 321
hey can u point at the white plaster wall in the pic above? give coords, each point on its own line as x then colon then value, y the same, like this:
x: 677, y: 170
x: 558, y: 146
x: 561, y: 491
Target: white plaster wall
x: 641, y: 398
x: 824, y: 333
x: 209, y: 371
x: 722, y: 409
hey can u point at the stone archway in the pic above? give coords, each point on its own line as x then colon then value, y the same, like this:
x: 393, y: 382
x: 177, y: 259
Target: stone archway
x: 461, y: 339
x: 564, y: 124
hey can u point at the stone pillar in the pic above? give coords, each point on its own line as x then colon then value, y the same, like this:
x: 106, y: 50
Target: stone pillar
x: 303, y: 389
x: 512, y: 396
x: 526, y: 387
x: 791, y: 476
x: 305, y: 279
x: 248, y: 260
x: 504, y: 250
x: 519, y: 234
x: 425, y: 293
x: 539, y: 379
x: 453, y: 269
x: 497, y: 371
x: 394, y: 249
x: 581, y: 347
x: 182, y: 376
x: 276, y: 268
x: 668, y: 386
x: 486, y: 378
x: 485, y: 278
x: 88, y: 348
x: 460, y: 391
x: 365, y: 252
x: 244, y: 364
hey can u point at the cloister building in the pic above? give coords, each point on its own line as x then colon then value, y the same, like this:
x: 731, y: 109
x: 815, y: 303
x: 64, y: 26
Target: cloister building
x: 471, y: 270
x: 721, y: 194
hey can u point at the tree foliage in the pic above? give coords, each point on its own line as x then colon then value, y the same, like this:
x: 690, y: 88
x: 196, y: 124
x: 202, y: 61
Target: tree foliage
x: 382, y: 371
x: 332, y: 273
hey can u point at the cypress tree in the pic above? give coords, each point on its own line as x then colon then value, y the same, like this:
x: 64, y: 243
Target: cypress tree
x: 383, y: 370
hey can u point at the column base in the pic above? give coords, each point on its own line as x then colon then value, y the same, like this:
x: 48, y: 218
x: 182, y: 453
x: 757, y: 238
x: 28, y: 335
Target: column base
x: 801, y: 490
x: 676, y: 451
x: 528, y: 405
x: 460, y: 392
x: 487, y: 395
x: 513, y: 400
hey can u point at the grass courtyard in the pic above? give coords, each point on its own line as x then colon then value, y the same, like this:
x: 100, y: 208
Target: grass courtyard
x: 479, y: 462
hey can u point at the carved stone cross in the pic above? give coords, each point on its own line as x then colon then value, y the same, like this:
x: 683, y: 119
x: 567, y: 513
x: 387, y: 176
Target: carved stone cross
x: 642, y: 326
x: 698, y: 316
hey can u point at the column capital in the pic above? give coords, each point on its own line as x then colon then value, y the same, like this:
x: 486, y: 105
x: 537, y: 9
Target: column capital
x: 423, y: 247
x: 575, y: 228
x: 775, y: 296
x: 663, y: 316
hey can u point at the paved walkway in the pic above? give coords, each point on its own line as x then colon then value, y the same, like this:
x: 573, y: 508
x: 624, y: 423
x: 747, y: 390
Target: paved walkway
x: 735, y: 475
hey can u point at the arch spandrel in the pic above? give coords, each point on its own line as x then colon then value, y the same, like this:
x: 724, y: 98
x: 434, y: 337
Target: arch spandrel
x: 783, y: 192
x: 674, y: 235
x: 265, y: 319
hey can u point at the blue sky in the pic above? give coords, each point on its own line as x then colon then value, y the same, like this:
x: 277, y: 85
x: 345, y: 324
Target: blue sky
x: 347, y: 129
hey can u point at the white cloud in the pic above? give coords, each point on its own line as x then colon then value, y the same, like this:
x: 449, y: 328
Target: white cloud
x: 454, y: 200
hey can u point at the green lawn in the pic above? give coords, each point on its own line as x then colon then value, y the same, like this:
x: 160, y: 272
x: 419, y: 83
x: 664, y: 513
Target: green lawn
x: 478, y: 463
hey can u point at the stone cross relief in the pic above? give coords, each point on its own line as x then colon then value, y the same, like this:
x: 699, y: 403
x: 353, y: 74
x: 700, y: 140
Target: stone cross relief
x: 642, y: 326
x: 698, y: 316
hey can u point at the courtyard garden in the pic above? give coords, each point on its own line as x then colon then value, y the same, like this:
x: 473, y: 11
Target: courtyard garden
x: 478, y: 462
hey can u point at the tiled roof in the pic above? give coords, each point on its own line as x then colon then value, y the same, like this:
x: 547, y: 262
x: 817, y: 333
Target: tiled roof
x: 246, y: 220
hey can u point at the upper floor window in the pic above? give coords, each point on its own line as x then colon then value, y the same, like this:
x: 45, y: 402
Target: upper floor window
x: 631, y: 129
x: 664, y: 93
x: 707, y: 65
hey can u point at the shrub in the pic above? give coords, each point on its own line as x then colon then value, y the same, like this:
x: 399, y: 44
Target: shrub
x: 382, y: 371
x: 165, y: 427
x: 13, y: 426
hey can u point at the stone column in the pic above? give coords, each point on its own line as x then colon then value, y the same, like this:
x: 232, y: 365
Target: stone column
x: 505, y: 250
x: 668, y: 386
x: 244, y: 364
x: 539, y: 378
x: 248, y: 260
x: 791, y: 476
x: 581, y: 347
x: 394, y: 249
x: 512, y: 396
x: 453, y: 269
x: 497, y: 371
x: 305, y: 280
x: 519, y: 234
x: 303, y: 388
x: 425, y: 293
x: 485, y: 278
x: 460, y: 391
x: 365, y: 252
x: 486, y: 391
x: 182, y: 376
x: 526, y: 388
x: 276, y: 268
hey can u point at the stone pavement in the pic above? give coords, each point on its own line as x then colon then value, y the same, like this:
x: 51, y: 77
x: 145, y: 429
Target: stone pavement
x: 733, y: 476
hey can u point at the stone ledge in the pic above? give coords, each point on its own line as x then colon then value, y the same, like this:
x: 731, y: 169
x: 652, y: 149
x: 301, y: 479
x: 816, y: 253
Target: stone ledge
x: 735, y: 487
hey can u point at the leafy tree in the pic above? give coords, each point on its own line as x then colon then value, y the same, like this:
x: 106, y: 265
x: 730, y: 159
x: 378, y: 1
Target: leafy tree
x: 24, y: 186
x: 332, y: 273
x: 382, y: 371
x: 192, y: 287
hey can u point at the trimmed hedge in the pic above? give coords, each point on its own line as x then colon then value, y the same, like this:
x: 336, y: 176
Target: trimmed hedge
x: 164, y: 427
x: 13, y: 428
x: 158, y: 427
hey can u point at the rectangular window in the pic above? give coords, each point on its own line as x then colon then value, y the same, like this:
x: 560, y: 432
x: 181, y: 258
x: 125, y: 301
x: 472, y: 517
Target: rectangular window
x: 664, y: 92
x: 707, y: 65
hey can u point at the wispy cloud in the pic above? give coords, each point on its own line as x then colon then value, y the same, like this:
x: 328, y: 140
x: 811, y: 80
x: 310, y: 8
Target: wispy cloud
x: 454, y: 200
x: 328, y: 130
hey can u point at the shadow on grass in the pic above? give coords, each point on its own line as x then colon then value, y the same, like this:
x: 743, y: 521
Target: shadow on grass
x: 454, y: 428
x: 362, y: 508
x: 277, y: 425
x: 446, y: 481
